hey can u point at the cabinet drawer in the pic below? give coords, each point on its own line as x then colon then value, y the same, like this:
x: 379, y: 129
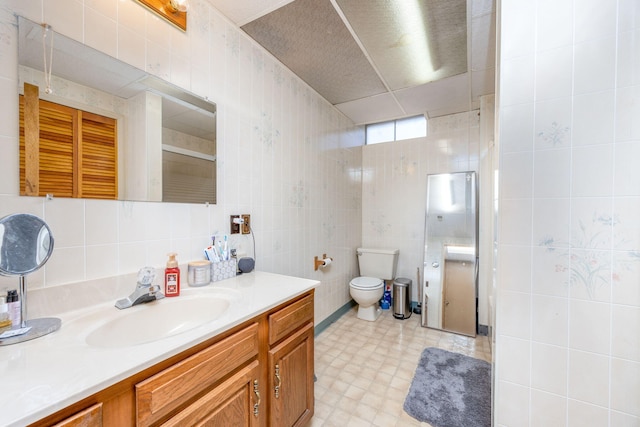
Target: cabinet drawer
x: 89, y: 417
x: 287, y: 320
x: 168, y: 390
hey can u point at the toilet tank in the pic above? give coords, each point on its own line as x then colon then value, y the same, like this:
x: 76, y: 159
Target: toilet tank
x: 380, y: 263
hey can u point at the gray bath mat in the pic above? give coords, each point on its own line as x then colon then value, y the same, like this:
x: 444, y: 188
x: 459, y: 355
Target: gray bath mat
x: 450, y: 390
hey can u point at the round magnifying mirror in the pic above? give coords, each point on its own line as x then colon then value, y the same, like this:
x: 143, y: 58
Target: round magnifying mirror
x: 26, y: 243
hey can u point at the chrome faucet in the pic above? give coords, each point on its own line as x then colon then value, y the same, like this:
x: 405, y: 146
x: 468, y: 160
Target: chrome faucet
x: 145, y: 290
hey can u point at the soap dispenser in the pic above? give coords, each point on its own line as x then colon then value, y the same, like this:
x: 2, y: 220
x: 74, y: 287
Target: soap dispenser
x: 172, y: 277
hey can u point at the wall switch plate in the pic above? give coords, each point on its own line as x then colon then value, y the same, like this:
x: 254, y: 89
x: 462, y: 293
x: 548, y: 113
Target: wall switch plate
x: 235, y: 228
x: 246, y: 226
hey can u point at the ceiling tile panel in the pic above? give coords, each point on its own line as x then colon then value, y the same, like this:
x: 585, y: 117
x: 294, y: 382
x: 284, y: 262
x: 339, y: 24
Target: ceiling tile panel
x: 373, y: 109
x: 309, y: 37
x: 445, y: 94
x: 411, y: 42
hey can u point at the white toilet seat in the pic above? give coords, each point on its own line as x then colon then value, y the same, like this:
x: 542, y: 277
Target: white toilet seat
x: 366, y: 283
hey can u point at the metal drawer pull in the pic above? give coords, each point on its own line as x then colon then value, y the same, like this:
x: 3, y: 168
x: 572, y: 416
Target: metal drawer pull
x: 277, y: 388
x: 257, y: 404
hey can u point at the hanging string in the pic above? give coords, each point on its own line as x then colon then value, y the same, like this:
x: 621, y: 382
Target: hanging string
x: 47, y: 68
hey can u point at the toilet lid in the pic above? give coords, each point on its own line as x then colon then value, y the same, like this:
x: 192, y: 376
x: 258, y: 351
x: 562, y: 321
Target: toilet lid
x: 367, y: 283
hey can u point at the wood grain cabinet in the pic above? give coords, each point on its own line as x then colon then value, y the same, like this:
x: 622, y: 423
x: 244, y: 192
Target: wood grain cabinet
x: 260, y: 373
x: 90, y: 417
x: 291, y: 364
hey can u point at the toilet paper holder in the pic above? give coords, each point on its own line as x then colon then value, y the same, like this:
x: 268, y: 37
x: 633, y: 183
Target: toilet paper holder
x: 321, y: 262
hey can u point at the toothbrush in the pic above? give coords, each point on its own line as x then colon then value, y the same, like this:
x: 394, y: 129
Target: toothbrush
x: 226, y: 249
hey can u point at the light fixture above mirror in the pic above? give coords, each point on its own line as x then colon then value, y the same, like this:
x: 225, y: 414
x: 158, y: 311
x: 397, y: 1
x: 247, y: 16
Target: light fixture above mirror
x: 174, y: 11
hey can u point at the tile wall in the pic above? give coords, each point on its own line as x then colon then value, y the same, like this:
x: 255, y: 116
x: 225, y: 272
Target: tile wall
x: 394, y: 185
x: 568, y: 307
x: 286, y: 156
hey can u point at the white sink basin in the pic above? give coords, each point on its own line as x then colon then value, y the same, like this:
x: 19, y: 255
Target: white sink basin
x: 155, y: 320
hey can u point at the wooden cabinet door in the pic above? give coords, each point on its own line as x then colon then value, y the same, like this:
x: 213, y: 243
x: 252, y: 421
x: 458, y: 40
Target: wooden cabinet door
x: 90, y: 417
x: 236, y: 402
x: 291, y: 379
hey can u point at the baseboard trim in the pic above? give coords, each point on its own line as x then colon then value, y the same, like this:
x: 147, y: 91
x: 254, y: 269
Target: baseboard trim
x: 320, y: 327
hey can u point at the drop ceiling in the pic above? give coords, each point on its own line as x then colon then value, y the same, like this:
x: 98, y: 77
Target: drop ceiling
x: 379, y: 60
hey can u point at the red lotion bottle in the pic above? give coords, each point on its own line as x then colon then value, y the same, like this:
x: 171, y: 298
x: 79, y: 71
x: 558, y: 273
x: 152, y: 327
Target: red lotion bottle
x: 172, y: 277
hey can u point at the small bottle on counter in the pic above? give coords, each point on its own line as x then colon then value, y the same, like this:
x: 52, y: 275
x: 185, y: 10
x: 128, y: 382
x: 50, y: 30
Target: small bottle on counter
x: 172, y: 277
x: 13, y: 302
x: 5, y: 320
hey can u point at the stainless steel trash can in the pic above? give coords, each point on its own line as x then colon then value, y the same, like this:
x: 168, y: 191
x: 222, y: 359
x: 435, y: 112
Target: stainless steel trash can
x: 402, y: 298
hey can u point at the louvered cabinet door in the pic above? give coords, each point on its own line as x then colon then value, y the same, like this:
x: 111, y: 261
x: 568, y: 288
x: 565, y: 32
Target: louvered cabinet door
x: 97, y: 157
x: 77, y: 153
x: 55, y: 147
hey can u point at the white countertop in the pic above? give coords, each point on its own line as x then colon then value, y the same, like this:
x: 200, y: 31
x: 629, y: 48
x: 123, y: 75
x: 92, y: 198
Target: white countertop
x: 44, y: 375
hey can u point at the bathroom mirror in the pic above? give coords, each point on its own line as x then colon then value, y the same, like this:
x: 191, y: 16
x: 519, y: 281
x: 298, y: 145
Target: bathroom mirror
x: 450, y: 269
x: 26, y: 243
x: 166, y: 136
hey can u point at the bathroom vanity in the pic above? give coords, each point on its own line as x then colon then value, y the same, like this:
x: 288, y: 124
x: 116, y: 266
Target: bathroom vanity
x: 251, y: 366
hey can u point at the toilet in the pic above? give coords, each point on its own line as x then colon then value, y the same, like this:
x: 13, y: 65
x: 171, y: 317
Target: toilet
x: 376, y: 266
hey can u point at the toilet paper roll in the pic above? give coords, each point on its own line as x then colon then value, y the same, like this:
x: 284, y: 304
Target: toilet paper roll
x: 326, y: 262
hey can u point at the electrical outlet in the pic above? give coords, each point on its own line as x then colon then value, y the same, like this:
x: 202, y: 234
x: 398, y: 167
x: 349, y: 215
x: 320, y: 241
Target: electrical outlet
x: 235, y: 228
x: 246, y: 226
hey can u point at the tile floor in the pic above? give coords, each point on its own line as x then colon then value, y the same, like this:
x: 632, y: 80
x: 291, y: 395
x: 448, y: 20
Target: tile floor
x: 364, y: 369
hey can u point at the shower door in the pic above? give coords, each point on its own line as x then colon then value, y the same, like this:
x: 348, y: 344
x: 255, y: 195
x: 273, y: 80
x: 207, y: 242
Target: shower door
x: 450, y: 269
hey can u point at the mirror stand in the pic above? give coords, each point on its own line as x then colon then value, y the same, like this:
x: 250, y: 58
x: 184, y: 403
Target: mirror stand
x: 26, y: 243
x: 39, y: 327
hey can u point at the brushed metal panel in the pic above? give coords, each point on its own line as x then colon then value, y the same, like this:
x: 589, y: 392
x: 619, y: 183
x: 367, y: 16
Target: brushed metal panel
x: 309, y: 37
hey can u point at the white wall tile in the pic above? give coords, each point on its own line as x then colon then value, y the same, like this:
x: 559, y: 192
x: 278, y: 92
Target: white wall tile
x: 65, y: 17
x: 588, y: 377
x: 553, y: 123
x: 514, y: 314
x: 66, y: 265
x: 512, y: 409
x: 583, y: 414
x: 102, y: 261
x: 550, y: 320
x: 594, y: 19
x: 620, y: 419
x: 547, y: 409
x: 626, y: 177
x: 592, y: 171
x: 518, y: 166
x: 625, y: 345
x: 628, y: 58
x: 626, y: 270
x: 593, y: 118
x: 516, y: 271
x: 626, y: 235
x: 100, y: 32
x: 515, y: 228
x: 66, y: 220
x: 554, y: 73
x: 552, y: 173
x: 625, y: 386
x: 521, y: 29
x: 590, y: 326
x: 131, y: 47
x: 554, y: 24
x: 628, y: 15
x: 101, y: 222
x: 549, y: 369
x: 595, y: 65
x: 515, y: 365
x: 627, y: 105
x: 518, y: 74
x: 552, y: 274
